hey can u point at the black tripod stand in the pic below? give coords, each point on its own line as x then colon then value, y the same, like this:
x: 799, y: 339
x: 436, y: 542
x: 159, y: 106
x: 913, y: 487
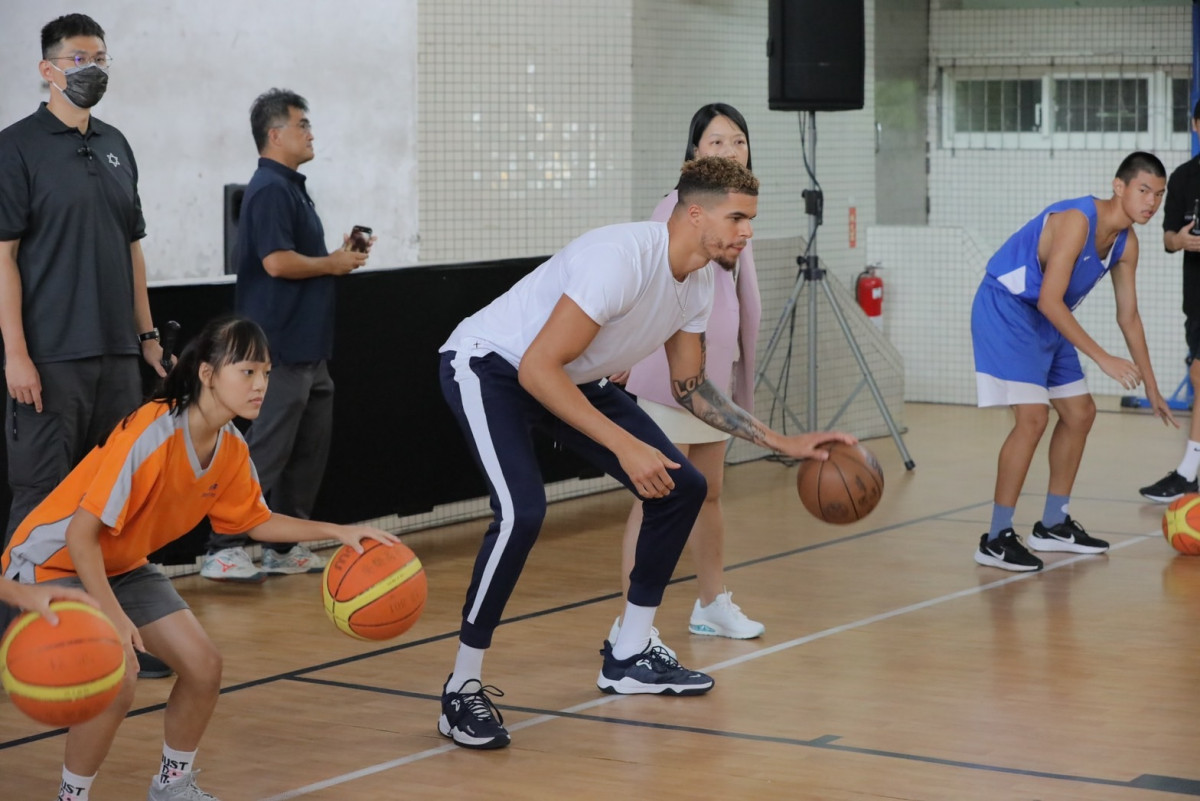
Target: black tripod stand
x: 812, y: 274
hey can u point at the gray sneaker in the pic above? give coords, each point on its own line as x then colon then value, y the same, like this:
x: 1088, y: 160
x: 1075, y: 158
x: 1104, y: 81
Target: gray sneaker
x: 231, y: 564
x: 183, y: 790
x: 298, y: 560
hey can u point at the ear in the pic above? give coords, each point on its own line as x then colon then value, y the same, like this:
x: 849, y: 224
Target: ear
x: 206, y: 373
x: 45, y: 70
x: 1119, y: 187
x: 696, y: 214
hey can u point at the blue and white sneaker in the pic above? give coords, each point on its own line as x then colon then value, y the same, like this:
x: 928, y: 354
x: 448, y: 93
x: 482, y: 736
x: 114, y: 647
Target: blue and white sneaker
x: 469, y: 717
x: 652, y: 671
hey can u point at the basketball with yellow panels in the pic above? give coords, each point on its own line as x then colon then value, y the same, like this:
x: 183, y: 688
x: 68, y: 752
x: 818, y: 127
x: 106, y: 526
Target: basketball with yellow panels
x: 66, y: 674
x: 1181, y: 524
x: 375, y: 595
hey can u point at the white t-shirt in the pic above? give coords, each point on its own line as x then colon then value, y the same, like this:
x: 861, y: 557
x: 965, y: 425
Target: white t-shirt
x: 620, y: 277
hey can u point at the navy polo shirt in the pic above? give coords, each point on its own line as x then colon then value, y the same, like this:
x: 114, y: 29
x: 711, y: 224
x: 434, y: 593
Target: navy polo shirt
x: 296, y: 314
x: 72, y: 201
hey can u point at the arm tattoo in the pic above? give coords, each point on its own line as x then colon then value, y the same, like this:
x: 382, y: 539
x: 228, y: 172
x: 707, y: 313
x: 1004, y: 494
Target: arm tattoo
x: 702, y: 398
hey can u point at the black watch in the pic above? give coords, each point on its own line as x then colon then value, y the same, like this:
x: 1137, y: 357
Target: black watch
x: 151, y: 334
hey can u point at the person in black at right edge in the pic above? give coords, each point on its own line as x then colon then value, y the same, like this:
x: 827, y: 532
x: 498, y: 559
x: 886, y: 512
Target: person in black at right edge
x: 1181, y: 231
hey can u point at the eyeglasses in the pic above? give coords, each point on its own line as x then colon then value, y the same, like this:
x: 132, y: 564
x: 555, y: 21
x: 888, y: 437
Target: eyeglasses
x: 303, y: 125
x: 101, y: 60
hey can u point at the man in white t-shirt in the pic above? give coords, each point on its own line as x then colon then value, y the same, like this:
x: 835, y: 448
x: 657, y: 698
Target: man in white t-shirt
x: 538, y: 357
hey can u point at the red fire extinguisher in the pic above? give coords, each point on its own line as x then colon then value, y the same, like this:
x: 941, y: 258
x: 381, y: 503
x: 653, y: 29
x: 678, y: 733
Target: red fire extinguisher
x: 870, y: 294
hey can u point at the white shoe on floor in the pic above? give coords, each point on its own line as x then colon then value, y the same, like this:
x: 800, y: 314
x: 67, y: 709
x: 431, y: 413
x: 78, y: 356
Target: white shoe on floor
x: 298, y: 560
x: 231, y: 564
x: 655, y: 640
x: 724, y: 618
x: 183, y: 790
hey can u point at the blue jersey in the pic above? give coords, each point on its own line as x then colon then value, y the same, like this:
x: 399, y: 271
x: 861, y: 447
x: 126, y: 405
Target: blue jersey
x: 1016, y: 268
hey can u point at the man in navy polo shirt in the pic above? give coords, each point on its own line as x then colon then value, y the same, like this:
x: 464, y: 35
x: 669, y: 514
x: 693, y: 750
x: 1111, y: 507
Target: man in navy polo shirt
x: 285, y: 283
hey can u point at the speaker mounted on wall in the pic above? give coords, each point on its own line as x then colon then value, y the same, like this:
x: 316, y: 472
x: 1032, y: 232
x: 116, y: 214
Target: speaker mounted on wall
x: 817, y: 55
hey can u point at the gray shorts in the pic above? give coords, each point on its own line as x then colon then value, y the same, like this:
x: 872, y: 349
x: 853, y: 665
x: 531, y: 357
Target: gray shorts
x: 145, y: 594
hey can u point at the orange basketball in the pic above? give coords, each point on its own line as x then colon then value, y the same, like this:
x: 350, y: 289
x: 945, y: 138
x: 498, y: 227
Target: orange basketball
x: 1181, y: 524
x: 844, y: 488
x: 66, y: 674
x: 375, y: 595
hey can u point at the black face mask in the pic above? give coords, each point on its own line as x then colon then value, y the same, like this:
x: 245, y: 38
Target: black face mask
x: 85, y: 85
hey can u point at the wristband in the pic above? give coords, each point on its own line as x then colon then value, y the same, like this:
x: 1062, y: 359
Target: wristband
x: 151, y: 334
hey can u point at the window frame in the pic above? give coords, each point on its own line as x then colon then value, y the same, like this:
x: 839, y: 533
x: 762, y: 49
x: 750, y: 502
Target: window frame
x: 1158, y: 135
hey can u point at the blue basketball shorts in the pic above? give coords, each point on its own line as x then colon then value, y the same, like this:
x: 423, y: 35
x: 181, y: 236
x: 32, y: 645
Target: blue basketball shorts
x: 1020, y: 357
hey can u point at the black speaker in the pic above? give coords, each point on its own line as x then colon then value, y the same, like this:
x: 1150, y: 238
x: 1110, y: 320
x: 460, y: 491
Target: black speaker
x: 817, y: 55
x: 233, y: 211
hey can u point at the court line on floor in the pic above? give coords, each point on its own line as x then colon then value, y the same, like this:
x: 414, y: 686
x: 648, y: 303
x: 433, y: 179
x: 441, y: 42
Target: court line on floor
x: 1147, y: 781
x: 33, y: 738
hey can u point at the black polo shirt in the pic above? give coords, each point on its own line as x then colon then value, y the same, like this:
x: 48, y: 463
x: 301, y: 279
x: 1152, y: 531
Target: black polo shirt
x: 1183, y: 190
x: 296, y: 314
x: 72, y: 201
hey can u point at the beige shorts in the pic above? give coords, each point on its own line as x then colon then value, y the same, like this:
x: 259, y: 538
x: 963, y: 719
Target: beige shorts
x: 681, y: 426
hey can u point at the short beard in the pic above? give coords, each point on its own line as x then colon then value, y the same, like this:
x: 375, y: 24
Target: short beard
x: 727, y: 266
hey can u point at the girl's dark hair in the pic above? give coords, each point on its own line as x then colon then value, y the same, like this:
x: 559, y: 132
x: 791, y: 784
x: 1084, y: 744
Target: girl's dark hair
x: 222, y: 341
x: 701, y: 120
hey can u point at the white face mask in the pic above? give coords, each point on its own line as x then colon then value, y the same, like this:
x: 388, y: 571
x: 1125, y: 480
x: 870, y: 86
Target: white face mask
x: 85, y: 85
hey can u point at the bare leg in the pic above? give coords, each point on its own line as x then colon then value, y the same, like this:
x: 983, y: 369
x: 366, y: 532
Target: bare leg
x: 1194, y: 376
x: 180, y: 641
x: 88, y: 743
x: 1075, y: 418
x: 707, y: 540
x: 1017, y: 452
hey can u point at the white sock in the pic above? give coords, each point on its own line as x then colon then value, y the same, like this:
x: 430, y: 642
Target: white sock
x: 635, y: 631
x: 175, y: 765
x: 74, y: 787
x: 1191, y: 461
x: 467, y: 665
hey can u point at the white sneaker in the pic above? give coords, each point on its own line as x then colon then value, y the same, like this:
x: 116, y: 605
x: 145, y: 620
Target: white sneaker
x: 183, y: 790
x: 655, y: 640
x: 231, y: 564
x: 724, y: 618
x: 298, y: 560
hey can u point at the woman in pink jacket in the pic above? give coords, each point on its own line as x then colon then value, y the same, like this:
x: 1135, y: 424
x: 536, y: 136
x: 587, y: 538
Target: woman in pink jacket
x: 717, y: 130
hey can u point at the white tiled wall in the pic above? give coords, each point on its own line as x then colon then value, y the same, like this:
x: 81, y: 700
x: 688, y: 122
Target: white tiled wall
x: 540, y: 119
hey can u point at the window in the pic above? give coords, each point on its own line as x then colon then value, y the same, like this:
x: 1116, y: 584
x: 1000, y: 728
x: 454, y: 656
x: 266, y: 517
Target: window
x: 1001, y: 108
x: 982, y: 106
x: 1181, y: 106
x: 1101, y: 105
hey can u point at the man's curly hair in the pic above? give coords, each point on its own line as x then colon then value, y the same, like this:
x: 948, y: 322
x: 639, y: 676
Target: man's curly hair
x: 714, y: 176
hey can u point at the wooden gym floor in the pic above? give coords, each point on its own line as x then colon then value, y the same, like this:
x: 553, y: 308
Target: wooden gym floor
x: 893, y: 667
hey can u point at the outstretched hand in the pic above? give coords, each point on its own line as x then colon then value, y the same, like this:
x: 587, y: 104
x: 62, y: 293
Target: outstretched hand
x: 1160, y: 408
x: 354, y: 535
x: 809, y: 446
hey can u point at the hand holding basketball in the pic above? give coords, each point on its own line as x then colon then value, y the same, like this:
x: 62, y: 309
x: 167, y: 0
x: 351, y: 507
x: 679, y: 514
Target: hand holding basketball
x: 810, y: 446
x: 842, y: 488
x: 63, y: 674
x: 353, y: 536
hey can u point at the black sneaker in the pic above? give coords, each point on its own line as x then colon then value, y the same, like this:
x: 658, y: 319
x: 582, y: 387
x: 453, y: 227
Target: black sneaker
x: 470, y: 718
x: 1170, y: 487
x: 652, y: 671
x: 1066, y: 536
x: 1006, y: 552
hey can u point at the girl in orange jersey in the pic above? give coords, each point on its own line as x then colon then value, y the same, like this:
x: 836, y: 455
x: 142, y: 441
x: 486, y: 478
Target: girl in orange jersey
x: 172, y: 462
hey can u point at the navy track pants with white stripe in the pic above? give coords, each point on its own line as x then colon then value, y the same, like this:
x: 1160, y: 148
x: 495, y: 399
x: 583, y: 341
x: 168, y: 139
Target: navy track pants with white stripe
x: 498, y: 418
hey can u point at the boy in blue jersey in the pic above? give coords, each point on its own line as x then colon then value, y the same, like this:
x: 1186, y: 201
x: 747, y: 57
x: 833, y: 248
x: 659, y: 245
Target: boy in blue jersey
x: 1025, y: 339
